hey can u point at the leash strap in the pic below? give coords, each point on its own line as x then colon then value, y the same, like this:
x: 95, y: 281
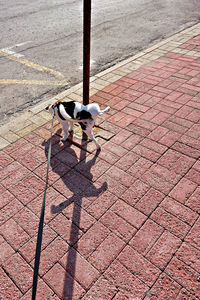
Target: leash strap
x: 41, y: 224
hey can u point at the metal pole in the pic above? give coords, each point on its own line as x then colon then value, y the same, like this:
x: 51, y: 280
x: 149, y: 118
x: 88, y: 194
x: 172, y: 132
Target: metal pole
x: 86, y: 50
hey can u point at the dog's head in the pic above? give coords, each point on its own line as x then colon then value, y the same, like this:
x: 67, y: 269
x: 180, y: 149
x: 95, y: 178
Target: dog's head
x: 51, y: 107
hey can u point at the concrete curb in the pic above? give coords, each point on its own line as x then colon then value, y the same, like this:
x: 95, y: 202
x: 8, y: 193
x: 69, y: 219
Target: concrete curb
x: 27, y: 122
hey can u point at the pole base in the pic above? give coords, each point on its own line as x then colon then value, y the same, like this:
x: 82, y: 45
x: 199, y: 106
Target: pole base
x: 80, y: 135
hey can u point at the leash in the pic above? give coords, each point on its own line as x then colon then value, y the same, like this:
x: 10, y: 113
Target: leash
x: 41, y: 224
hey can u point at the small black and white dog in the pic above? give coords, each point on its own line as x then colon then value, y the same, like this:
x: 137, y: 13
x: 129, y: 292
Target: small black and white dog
x: 72, y: 112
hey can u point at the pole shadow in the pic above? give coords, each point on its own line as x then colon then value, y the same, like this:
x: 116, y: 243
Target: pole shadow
x: 79, y: 192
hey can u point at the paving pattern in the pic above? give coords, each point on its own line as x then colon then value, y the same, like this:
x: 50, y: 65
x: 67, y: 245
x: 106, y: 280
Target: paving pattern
x: 122, y: 223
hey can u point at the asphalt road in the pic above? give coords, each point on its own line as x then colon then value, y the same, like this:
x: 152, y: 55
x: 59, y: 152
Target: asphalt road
x: 41, y: 42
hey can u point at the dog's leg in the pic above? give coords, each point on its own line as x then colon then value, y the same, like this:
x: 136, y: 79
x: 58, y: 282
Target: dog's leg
x: 70, y: 126
x: 101, y: 112
x: 66, y: 132
x: 90, y: 134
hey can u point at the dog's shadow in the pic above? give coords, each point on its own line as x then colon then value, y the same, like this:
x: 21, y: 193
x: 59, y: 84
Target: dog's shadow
x: 80, y: 187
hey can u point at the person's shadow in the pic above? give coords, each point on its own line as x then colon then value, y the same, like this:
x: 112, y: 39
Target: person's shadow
x: 78, y: 191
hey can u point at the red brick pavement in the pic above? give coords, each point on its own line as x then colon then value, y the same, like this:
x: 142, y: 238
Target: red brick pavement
x: 123, y: 224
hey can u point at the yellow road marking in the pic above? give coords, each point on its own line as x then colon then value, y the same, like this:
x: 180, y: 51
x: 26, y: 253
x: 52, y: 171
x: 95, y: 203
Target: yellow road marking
x: 34, y: 82
x: 32, y: 65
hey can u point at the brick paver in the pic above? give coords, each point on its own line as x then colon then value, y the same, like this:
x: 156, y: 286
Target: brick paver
x: 123, y: 223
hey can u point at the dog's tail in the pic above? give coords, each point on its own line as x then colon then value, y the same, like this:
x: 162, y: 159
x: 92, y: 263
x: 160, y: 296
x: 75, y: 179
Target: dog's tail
x: 101, y: 112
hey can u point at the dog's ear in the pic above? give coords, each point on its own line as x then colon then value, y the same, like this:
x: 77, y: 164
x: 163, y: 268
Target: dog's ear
x: 83, y: 114
x: 47, y: 107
